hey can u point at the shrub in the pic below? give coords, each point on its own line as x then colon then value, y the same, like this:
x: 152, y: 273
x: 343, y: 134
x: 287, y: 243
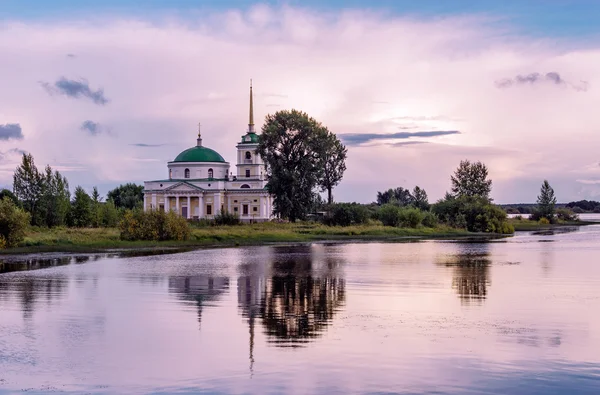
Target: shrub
x: 410, y: 217
x: 389, y: 215
x: 544, y: 221
x: 578, y: 210
x: 565, y: 214
x: 430, y: 220
x: 153, y: 225
x: 519, y: 217
x: 226, y: 218
x: 476, y: 214
x: 346, y: 214
x: 13, y: 223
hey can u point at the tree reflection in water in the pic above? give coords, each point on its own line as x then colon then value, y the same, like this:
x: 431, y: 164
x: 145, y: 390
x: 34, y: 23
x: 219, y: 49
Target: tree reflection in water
x: 470, y: 276
x: 201, y: 289
x: 301, y: 296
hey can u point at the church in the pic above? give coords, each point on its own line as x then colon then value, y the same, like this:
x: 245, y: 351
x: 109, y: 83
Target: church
x: 201, y: 185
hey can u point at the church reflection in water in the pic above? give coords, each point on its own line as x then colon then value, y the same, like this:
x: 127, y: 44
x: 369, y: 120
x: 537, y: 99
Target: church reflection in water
x: 202, y: 290
x: 470, y: 276
x: 295, y: 294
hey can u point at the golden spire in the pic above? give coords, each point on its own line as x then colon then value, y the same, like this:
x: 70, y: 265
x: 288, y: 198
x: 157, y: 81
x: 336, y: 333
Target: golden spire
x: 251, y: 121
x: 199, y: 140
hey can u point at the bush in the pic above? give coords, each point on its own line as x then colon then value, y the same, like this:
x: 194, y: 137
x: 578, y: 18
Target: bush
x: 13, y: 223
x: 475, y: 214
x: 430, y: 220
x: 226, y: 218
x: 544, y: 221
x: 410, y: 217
x: 346, y: 214
x: 578, y: 210
x: 389, y: 215
x: 565, y: 214
x: 153, y: 225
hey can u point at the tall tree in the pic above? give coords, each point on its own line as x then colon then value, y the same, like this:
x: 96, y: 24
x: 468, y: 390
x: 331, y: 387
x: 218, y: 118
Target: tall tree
x: 7, y: 193
x: 290, y: 147
x: 128, y: 196
x: 55, y: 202
x: 471, y: 180
x: 96, y: 208
x: 398, y: 196
x: 81, y: 209
x: 420, y: 199
x: 333, y: 163
x: 28, y: 186
x: 546, y: 201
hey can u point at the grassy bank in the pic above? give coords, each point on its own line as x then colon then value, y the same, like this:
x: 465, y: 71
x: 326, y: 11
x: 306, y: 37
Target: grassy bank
x: 95, y: 240
x: 525, y: 224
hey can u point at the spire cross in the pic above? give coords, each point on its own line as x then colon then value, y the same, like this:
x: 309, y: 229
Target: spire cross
x: 199, y: 140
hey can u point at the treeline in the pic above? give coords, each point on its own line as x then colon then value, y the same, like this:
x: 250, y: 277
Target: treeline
x: 46, y: 197
x: 584, y: 206
x: 467, y: 206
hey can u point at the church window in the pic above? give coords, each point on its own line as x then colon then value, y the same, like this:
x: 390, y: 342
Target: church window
x: 235, y: 209
x: 245, y: 209
x: 210, y: 173
x: 247, y: 173
x: 245, y: 186
x: 208, y: 209
x: 254, y: 208
x: 187, y: 173
x: 248, y: 156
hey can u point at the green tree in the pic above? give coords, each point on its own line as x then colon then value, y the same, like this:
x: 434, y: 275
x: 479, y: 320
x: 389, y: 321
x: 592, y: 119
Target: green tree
x: 333, y: 163
x: 128, y: 196
x: 546, y: 202
x: 13, y: 223
x: 471, y: 180
x: 290, y: 147
x: 96, y: 208
x: 109, y: 214
x: 55, y: 201
x: 81, y: 209
x: 398, y: 196
x: 7, y: 193
x: 420, y: 199
x: 28, y: 186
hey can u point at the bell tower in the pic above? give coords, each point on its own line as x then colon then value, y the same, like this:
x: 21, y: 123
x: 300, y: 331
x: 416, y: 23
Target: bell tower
x: 249, y: 164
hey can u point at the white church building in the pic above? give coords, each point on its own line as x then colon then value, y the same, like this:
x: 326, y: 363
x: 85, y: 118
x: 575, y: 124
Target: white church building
x: 200, y: 182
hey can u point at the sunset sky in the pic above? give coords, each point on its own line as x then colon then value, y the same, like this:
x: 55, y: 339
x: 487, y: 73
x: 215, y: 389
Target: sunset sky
x: 108, y: 92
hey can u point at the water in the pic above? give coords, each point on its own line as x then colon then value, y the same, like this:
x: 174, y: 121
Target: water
x: 515, y: 316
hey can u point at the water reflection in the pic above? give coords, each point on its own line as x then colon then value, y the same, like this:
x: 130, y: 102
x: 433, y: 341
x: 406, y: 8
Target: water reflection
x: 301, y: 296
x: 470, y: 266
x: 30, y: 291
x: 24, y: 264
x: 203, y: 290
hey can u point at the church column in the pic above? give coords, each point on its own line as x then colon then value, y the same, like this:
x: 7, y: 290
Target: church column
x: 200, y: 206
x: 229, y: 203
x: 177, y: 205
x: 189, y: 207
x: 167, y: 202
x: 145, y: 202
x: 261, y: 207
x: 154, y: 206
x: 217, y: 203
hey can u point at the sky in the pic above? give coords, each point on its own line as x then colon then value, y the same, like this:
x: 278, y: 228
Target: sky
x: 108, y: 92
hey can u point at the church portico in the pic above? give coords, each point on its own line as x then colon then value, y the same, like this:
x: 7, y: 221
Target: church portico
x: 200, y: 184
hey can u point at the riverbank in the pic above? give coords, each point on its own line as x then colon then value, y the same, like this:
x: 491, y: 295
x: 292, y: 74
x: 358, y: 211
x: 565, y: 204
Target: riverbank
x: 40, y: 240
x: 527, y: 225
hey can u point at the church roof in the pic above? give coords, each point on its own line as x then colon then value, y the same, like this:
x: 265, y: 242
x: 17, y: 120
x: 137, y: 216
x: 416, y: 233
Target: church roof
x: 199, y: 154
x: 250, y: 138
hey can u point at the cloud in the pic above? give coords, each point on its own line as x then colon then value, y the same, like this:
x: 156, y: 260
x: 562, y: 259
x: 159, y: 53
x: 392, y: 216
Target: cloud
x: 405, y: 143
x: 91, y: 127
x: 361, y: 138
x: 551, y: 77
x: 144, y: 145
x: 75, y: 89
x: 11, y: 131
x: 355, y: 71
x: 589, y: 182
x: 71, y: 55
x: 12, y: 152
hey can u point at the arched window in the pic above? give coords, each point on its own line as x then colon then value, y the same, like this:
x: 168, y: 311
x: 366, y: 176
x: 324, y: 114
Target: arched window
x: 245, y: 186
x: 248, y: 155
x: 187, y: 173
x: 210, y: 173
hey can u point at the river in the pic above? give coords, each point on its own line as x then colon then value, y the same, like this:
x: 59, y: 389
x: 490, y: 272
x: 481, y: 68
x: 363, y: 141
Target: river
x: 512, y: 316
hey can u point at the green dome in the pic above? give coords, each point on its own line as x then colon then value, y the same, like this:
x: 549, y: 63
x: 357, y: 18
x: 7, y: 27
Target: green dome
x: 199, y: 154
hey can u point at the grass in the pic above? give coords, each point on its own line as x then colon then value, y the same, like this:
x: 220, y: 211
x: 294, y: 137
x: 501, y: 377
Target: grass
x: 526, y: 224
x: 96, y: 240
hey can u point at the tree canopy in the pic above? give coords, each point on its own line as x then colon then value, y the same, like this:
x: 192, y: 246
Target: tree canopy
x: 471, y: 180
x: 546, y: 202
x: 300, y: 155
x: 128, y: 196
